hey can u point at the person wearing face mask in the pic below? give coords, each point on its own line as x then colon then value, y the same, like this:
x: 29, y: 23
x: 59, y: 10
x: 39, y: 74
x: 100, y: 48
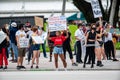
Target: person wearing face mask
x: 29, y: 33
x: 20, y: 34
x: 80, y: 36
x: 90, y: 40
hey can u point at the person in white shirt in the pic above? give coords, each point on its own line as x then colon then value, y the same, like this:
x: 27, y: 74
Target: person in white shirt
x: 44, y: 36
x: 79, y: 35
x: 20, y: 34
x: 109, y: 47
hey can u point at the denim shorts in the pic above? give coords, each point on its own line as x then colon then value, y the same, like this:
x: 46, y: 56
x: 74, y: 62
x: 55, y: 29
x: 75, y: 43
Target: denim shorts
x: 58, y: 50
x: 36, y: 47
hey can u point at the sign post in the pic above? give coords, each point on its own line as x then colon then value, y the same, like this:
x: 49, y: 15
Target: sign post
x: 96, y: 9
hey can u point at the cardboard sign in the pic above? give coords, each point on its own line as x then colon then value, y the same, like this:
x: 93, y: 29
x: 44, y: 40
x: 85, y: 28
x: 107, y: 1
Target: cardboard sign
x: 38, y: 21
x: 38, y: 39
x: 96, y: 8
x: 2, y: 36
x: 57, y: 23
x: 24, y: 42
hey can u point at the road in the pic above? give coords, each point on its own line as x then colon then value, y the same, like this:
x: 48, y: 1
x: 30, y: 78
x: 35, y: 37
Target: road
x: 46, y: 71
x: 60, y: 75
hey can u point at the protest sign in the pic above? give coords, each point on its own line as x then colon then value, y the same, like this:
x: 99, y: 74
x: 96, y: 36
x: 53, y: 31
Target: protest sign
x: 38, y: 39
x: 24, y: 42
x: 38, y: 21
x: 96, y: 8
x: 44, y: 36
x: 57, y: 23
x: 2, y: 36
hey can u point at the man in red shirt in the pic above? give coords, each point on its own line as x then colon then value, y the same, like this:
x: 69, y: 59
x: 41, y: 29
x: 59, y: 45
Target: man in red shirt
x: 58, y: 50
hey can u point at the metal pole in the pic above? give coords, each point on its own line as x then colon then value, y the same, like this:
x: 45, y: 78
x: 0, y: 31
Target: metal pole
x: 63, y: 7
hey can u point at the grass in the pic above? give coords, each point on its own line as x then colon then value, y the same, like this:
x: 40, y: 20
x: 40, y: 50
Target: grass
x: 117, y: 45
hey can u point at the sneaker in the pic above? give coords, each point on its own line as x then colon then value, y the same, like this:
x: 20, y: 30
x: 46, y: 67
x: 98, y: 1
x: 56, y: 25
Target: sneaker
x: 31, y: 67
x: 1, y: 67
x: 11, y: 60
x: 74, y: 64
x: 65, y: 69
x: 109, y: 58
x: 115, y: 60
x: 50, y: 60
x: 84, y: 66
x: 74, y: 54
x: 45, y: 57
x: 37, y: 67
x: 5, y: 67
x: 23, y: 67
x: 18, y: 67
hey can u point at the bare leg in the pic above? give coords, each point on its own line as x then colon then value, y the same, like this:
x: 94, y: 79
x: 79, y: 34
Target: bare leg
x: 37, y: 57
x: 56, y: 60
x: 63, y: 60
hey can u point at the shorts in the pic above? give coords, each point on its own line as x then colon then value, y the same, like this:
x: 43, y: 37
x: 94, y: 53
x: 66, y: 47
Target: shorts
x: 36, y: 47
x: 58, y: 50
x: 21, y: 52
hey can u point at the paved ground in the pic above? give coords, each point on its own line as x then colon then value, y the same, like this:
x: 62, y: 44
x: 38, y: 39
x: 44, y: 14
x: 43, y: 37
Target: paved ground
x: 45, y: 65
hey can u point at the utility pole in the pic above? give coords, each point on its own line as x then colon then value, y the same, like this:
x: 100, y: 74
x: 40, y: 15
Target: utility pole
x: 63, y: 7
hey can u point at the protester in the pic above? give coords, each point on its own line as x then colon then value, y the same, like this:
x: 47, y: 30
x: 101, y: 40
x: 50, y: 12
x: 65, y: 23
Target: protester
x: 3, y: 45
x: 44, y: 36
x: 58, y: 48
x: 51, y: 44
x: 90, y: 50
x: 29, y: 33
x: 35, y: 48
x: 67, y: 47
x: 99, y: 49
x: 20, y: 34
x: 13, y: 29
x: 79, y: 35
x: 109, y: 47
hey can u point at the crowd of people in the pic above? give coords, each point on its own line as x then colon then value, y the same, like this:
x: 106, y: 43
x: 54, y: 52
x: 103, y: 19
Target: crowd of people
x: 94, y: 40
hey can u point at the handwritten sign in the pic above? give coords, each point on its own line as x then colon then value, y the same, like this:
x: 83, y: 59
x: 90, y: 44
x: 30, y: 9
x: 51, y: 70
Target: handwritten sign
x: 2, y: 36
x: 24, y: 42
x: 57, y: 23
x: 38, y: 39
x: 38, y: 21
x: 96, y: 8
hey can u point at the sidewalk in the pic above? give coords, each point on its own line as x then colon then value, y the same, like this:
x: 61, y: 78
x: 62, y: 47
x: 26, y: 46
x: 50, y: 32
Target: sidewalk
x: 45, y: 65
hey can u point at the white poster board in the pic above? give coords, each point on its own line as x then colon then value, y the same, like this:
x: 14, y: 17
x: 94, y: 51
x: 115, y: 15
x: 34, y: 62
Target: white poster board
x: 24, y: 42
x: 57, y: 23
x: 38, y: 39
x: 2, y: 36
x: 96, y: 8
x: 44, y: 36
